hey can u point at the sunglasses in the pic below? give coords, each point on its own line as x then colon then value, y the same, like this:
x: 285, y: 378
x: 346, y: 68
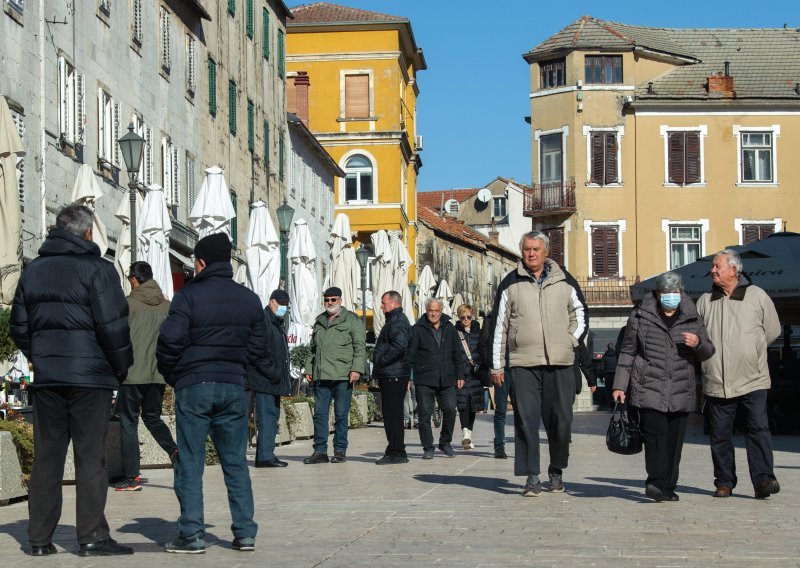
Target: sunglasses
x: 330, y: 300
x: 465, y: 318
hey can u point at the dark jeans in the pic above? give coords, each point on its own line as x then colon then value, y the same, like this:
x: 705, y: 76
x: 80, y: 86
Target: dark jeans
x: 219, y: 410
x: 500, y: 410
x: 61, y: 414
x: 341, y: 392
x: 663, y: 434
x: 149, y: 399
x: 268, y: 413
x: 467, y: 417
x: 393, y: 397
x: 542, y: 394
x: 426, y: 397
x: 758, y: 439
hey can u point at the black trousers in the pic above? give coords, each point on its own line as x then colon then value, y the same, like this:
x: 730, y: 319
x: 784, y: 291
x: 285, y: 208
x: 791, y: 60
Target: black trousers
x: 393, y: 396
x: 467, y: 417
x: 61, y: 414
x: 426, y: 397
x: 758, y: 439
x: 663, y: 434
x: 542, y: 394
x: 131, y: 399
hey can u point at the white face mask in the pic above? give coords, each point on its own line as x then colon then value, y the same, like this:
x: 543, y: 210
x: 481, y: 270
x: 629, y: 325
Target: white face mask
x: 671, y: 300
x: 281, y: 311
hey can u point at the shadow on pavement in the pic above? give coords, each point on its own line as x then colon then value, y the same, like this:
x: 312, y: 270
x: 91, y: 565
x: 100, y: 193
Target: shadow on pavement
x: 637, y: 484
x: 496, y: 484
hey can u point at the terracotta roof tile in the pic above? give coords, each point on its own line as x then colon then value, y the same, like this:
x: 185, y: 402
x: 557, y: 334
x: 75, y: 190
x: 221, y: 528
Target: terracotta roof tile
x: 452, y: 227
x: 327, y: 13
x: 433, y: 199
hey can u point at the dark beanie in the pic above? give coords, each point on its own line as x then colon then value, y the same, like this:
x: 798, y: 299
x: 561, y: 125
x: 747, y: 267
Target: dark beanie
x: 333, y: 291
x: 280, y: 296
x: 213, y: 248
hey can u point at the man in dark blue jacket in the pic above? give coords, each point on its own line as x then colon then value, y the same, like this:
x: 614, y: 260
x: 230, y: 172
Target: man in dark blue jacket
x: 70, y: 319
x: 391, y: 368
x: 214, y: 329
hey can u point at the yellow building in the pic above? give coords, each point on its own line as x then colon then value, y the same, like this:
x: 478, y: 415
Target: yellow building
x: 653, y: 147
x: 352, y: 80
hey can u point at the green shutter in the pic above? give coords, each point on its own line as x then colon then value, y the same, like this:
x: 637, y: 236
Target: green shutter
x: 212, y: 87
x: 265, y: 33
x: 251, y: 126
x: 266, y: 144
x: 232, y: 107
x: 232, y: 7
x: 250, y: 23
x: 281, y: 156
x: 234, y: 221
x: 281, y: 56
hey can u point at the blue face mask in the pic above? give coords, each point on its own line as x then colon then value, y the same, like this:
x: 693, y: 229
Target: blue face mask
x: 281, y: 311
x: 670, y: 301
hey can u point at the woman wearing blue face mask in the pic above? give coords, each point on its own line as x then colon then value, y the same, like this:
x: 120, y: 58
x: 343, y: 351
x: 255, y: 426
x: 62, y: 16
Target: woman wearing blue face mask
x: 664, y: 340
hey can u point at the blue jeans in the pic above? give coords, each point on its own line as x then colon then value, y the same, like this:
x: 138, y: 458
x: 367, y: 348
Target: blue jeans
x: 218, y: 409
x: 500, y: 409
x: 268, y: 412
x: 342, y: 393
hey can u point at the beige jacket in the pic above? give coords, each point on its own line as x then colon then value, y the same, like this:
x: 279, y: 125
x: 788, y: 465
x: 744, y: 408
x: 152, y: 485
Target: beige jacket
x: 741, y: 327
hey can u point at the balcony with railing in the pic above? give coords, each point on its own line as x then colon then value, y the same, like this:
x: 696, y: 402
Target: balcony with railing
x: 550, y: 198
x: 612, y: 291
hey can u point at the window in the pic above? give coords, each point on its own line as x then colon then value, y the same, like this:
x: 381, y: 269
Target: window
x: 556, y: 252
x: 490, y: 273
x: 170, y: 173
x: 358, y: 179
x: 17, y: 5
x: 266, y: 144
x: 136, y: 21
x: 550, y: 158
x: 683, y: 156
x: 499, y: 204
x: 356, y: 96
x: 232, y: 7
x: 72, y: 102
x: 235, y: 220
x: 293, y: 172
x: 107, y: 128
x: 19, y: 122
x: 191, y: 179
x: 685, y: 245
x: 604, y: 161
x: 265, y: 33
x: 164, y: 48
x: 212, y: 87
x: 232, y: 107
x: 450, y: 258
x: 756, y: 157
x: 470, y: 267
x: 281, y: 156
x: 251, y: 126
x: 281, y: 55
x: 105, y: 6
x: 250, y: 19
x: 605, y: 251
x: 145, y: 176
x: 603, y: 69
x: 191, y: 64
x: 552, y: 73
x: 756, y: 231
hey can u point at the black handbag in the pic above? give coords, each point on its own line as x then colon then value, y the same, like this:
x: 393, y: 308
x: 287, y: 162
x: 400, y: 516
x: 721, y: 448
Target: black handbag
x: 623, y: 435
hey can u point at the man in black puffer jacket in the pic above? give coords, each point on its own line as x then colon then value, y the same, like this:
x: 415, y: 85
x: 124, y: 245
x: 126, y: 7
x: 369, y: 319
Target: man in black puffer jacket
x: 214, y: 329
x: 70, y: 319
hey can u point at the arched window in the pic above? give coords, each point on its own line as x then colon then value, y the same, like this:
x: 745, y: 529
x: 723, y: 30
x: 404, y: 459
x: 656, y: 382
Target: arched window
x: 358, y: 179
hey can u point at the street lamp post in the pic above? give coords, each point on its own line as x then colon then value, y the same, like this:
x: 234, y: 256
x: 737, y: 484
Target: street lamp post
x: 362, y: 254
x: 285, y: 213
x: 412, y: 288
x: 132, y: 146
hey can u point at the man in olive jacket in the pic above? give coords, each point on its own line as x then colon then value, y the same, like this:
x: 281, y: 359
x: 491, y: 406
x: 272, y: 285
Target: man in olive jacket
x: 337, y: 359
x: 143, y: 390
x: 437, y: 360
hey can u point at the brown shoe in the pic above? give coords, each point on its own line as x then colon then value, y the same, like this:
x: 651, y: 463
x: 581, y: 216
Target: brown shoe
x: 722, y: 491
x: 767, y: 488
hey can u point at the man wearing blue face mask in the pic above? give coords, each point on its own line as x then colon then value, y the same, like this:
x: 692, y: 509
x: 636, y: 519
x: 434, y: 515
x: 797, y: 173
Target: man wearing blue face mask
x: 270, y: 389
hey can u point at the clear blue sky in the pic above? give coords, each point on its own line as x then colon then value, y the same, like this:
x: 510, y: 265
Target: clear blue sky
x: 474, y: 94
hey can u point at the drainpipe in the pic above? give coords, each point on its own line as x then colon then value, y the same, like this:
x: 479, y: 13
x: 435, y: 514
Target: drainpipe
x: 43, y: 135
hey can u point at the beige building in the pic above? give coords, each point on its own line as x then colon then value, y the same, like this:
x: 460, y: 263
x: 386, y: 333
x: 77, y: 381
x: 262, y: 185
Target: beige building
x: 653, y: 147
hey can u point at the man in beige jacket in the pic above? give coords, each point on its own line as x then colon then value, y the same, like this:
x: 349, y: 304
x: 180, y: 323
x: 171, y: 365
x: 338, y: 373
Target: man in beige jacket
x: 741, y: 321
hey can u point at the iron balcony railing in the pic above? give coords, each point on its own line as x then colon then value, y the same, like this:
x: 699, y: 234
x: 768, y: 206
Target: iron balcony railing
x: 611, y: 291
x: 550, y: 198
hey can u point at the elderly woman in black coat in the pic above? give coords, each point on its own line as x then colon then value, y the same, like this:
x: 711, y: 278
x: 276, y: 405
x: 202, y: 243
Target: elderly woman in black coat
x: 664, y: 341
x: 469, y: 398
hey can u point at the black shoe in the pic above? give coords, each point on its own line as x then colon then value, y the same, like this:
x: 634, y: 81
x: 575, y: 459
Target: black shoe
x: 317, y: 457
x: 767, y: 488
x: 45, y: 550
x: 190, y: 545
x: 108, y: 547
x: 338, y: 457
x: 391, y: 460
x: 500, y: 454
x: 244, y: 544
x: 654, y: 493
x: 274, y: 462
x: 427, y: 455
x: 447, y: 449
x: 672, y: 496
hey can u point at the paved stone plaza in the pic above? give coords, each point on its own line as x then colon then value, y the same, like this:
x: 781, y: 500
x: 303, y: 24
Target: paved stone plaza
x: 462, y: 512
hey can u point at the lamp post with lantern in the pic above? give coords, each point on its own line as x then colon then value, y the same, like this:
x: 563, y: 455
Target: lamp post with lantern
x: 132, y: 146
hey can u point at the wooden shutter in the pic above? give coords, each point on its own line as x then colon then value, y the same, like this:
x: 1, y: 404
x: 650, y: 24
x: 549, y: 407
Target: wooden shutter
x: 265, y: 32
x: 675, y: 155
x: 356, y: 96
x: 610, y: 146
x: 693, y: 157
x: 556, y: 237
x: 212, y: 87
x: 754, y: 233
x: 605, y: 252
x: 598, y: 162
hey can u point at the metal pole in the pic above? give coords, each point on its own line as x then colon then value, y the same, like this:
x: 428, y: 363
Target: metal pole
x: 132, y: 191
x: 364, y: 312
x: 284, y: 278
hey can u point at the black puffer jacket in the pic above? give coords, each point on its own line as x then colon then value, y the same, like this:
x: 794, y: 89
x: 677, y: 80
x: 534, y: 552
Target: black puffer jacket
x: 276, y: 352
x: 215, y: 327
x: 471, y: 395
x: 390, y: 357
x: 435, y: 365
x: 655, y: 363
x: 70, y: 316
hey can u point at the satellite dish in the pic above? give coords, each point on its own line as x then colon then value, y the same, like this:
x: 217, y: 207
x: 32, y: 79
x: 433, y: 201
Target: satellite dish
x: 484, y: 195
x: 451, y: 206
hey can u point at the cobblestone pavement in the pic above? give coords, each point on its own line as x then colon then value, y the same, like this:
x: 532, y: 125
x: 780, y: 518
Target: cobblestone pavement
x: 465, y: 511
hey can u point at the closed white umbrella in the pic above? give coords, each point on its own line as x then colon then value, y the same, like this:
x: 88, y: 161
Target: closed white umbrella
x: 262, y: 253
x: 444, y: 293
x: 425, y: 285
x: 344, y: 271
x: 154, y: 228
x: 304, y: 290
x: 11, y: 150
x: 458, y: 299
x: 86, y: 191
x: 122, y: 254
x: 381, y: 276
x: 212, y: 211
x: 401, y: 265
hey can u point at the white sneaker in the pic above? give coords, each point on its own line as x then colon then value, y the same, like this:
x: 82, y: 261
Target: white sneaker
x: 466, y: 443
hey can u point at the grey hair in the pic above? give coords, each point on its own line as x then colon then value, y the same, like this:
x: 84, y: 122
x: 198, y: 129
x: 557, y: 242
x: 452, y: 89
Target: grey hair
x: 75, y: 219
x: 430, y: 301
x: 394, y: 296
x: 734, y: 260
x: 535, y: 236
x: 669, y: 282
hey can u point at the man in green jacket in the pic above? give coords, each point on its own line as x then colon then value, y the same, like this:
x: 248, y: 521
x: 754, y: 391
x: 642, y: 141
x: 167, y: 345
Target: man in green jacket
x: 143, y: 391
x: 337, y: 359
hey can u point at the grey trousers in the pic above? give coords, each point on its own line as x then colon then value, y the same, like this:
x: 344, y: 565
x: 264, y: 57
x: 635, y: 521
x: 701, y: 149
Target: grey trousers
x: 542, y: 394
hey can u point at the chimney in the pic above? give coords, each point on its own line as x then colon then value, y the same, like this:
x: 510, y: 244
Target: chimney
x: 494, y: 234
x: 301, y: 84
x: 721, y: 85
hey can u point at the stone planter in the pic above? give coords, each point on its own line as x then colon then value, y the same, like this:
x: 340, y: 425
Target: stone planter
x: 284, y: 436
x: 361, y: 402
x: 11, y: 486
x: 152, y: 455
x: 116, y: 469
x: 303, y: 426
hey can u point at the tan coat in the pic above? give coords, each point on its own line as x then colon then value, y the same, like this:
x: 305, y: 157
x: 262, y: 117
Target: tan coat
x: 147, y: 309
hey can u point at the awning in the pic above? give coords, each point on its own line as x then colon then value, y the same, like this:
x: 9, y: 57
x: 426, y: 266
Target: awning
x: 181, y: 258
